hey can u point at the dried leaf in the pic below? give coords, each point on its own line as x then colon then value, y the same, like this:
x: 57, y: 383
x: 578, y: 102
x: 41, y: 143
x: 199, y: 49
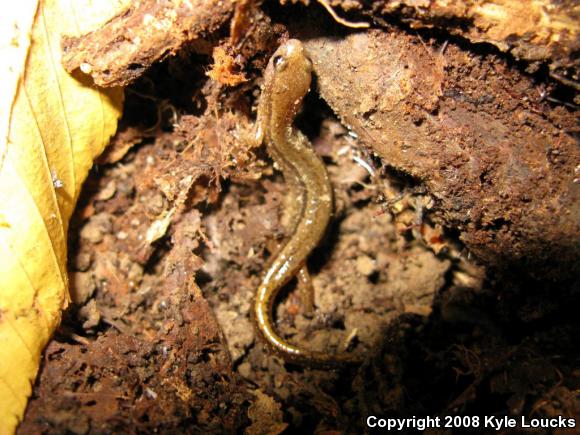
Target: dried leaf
x: 52, y: 126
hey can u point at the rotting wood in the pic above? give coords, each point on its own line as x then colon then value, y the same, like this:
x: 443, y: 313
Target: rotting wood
x: 147, y: 32
x: 533, y: 30
x: 500, y: 162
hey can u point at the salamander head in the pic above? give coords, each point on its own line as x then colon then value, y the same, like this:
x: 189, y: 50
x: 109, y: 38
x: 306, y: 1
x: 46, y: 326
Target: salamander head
x: 288, y: 78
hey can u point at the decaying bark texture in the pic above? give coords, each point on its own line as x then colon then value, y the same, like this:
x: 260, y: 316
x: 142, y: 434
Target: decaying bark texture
x: 500, y: 163
x: 145, y: 33
x: 533, y: 30
x: 546, y: 31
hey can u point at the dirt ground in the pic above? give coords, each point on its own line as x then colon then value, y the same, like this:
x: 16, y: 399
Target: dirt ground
x: 179, y: 217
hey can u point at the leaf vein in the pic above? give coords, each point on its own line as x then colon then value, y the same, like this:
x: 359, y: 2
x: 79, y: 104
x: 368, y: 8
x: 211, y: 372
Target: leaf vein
x: 54, y: 70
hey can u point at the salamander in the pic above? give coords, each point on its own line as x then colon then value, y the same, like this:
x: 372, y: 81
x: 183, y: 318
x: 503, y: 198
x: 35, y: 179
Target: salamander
x: 287, y: 80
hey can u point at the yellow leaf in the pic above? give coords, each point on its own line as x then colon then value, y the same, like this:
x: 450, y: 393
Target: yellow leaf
x: 52, y: 127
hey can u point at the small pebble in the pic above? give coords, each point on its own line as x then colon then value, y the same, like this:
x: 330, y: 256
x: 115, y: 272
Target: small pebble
x: 365, y: 265
x: 245, y: 369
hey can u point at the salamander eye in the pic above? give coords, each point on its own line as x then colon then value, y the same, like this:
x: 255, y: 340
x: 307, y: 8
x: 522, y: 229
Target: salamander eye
x: 280, y: 63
